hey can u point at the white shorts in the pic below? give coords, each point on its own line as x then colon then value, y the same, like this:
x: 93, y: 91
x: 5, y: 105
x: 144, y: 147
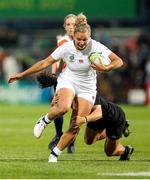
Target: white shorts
x: 78, y: 90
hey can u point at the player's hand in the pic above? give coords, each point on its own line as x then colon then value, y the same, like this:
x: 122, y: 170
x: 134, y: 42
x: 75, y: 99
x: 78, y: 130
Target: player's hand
x: 77, y: 122
x: 99, y: 66
x: 15, y: 78
x: 80, y: 120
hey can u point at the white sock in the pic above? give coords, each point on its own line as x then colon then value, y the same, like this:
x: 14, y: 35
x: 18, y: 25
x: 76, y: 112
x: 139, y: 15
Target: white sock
x: 57, y: 151
x: 47, y: 119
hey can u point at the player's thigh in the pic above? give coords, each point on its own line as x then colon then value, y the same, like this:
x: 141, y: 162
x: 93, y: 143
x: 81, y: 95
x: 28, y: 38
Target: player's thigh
x: 91, y: 136
x: 83, y: 106
x: 80, y: 106
x: 63, y: 98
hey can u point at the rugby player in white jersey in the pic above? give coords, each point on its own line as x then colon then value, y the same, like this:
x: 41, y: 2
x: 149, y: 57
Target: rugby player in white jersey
x: 77, y: 82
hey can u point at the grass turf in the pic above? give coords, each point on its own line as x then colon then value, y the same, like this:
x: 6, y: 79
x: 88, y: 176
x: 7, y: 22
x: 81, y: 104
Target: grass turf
x: 23, y: 156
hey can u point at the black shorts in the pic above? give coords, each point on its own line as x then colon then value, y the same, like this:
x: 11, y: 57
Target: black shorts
x: 114, y: 127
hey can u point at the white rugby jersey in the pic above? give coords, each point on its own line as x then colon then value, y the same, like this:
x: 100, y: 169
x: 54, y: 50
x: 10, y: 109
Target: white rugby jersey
x: 78, y: 67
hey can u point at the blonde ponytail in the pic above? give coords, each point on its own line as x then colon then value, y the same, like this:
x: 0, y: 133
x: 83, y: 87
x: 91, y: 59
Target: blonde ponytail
x: 81, y: 24
x: 81, y: 19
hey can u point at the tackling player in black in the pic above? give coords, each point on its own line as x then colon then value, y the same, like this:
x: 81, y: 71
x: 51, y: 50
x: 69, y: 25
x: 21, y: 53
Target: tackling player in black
x: 107, y: 120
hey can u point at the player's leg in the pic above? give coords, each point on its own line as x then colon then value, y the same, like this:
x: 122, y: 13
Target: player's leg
x: 60, y: 105
x: 58, y: 122
x: 81, y: 111
x: 58, y: 127
x: 71, y: 146
x: 91, y: 136
x: 114, y: 131
x: 69, y: 136
x: 95, y: 131
x: 113, y: 147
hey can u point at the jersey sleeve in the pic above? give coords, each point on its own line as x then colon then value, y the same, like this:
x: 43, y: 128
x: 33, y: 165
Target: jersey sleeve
x: 97, y: 101
x: 59, y: 52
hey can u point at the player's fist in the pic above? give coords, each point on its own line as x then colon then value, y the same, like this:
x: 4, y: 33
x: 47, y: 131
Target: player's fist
x: 80, y: 120
x: 14, y: 78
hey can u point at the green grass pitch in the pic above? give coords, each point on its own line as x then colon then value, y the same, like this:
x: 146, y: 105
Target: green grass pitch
x: 23, y: 156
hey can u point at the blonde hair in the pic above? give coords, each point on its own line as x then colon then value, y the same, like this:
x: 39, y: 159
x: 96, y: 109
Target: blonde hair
x: 81, y: 24
x: 67, y: 17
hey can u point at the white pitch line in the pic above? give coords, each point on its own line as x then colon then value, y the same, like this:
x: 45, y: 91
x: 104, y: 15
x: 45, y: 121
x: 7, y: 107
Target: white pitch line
x: 22, y: 158
x: 125, y: 174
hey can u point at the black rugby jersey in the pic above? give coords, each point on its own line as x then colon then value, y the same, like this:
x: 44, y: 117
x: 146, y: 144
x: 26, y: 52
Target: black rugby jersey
x: 110, y: 110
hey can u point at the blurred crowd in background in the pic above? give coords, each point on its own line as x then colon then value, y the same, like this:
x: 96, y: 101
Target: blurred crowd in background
x: 20, y: 49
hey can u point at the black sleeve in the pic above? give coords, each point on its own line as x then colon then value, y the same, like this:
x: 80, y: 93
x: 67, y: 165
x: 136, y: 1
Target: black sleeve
x: 97, y: 101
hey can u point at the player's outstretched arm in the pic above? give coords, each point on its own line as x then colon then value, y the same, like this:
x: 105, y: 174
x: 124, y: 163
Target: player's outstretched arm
x: 43, y: 64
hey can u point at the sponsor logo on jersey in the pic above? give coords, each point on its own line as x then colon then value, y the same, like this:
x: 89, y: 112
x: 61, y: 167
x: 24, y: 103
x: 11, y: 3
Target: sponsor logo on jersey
x: 71, y: 58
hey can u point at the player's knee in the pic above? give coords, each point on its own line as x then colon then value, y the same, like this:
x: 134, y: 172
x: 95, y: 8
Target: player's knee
x: 87, y: 141
x: 108, y: 152
x: 63, y: 110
